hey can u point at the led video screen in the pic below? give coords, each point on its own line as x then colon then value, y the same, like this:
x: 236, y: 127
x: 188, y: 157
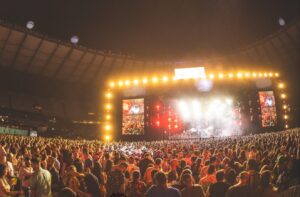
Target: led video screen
x: 133, y: 116
x: 268, y: 108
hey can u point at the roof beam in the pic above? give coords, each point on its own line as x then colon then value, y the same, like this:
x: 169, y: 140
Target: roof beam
x: 77, y: 65
x: 99, y: 68
x: 18, y: 51
x: 88, y: 67
x: 5, y: 42
x: 63, y: 62
x: 29, y: 64
x: 49, y: 58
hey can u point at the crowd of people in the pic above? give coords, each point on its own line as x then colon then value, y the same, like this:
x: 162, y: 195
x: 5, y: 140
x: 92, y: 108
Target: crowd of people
x: 261, y: 165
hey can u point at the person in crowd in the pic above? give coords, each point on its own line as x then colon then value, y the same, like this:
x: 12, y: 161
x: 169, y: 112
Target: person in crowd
x: 116, y: 180
x: 219, y: 188
x: 209, y: 179
x: 5, y: 188
x: 101, y: 176
x: 190, y: 189
x: 266, y: 189
x: 66, y: 192
x: 40, y: 181
x: 25, y: 172
x: 136, y: 187
x: 160, y: 189
x: 91, y: 187
x: 241, y: 188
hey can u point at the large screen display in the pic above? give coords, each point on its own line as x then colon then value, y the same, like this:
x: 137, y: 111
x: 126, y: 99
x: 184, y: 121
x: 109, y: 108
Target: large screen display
x: 133, y: 117
x: 268, y: 108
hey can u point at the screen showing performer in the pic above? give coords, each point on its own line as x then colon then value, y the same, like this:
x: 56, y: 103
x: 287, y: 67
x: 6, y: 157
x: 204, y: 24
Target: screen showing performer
x: 268, y: 108
x: 133, y: 117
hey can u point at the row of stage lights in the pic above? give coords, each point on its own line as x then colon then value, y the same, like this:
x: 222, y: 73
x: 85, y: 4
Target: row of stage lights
x: 283, y: 96
x: 109, y: 95
x: 211, y: 76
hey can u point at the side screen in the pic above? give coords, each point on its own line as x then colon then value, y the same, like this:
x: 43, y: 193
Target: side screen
x: 133, y: 117
x: 268, y: 108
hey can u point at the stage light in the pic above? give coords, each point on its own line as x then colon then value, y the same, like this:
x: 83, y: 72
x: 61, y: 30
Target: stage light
x: 30, y: 25
x: 157, y: 123
x: 283, y: 96
x: 112, y: 84
x: 154, y: 79
x: 229, y: 101
x: 221, y: 76
x: 165, y: 79
x: 276, y: 74
x: 284, y: 106
x: 145, y: 80
x: 260, y: 74
x: 286, y: 126
x: 107, y: 117
x: 270, y: 74
x: 281, y: 85
x: 176, y: 126
x: 230, y: 75
x: 127, y: 82
x: 107, y: 138
x: 265, y: 74
x: 285, y: 117
x: 247, y: 74
x: 120, y: 83
x: 108, y: 95
x: 211, y: 76
x: 281, y: 21
x: 108, y: 106
x: 136, y: 82
x: 254, y: 75
x: 239, y: 75
x: 107, y: 127
x: 74, y: 39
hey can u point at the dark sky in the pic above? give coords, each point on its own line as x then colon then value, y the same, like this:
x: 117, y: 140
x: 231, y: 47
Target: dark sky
x: 154, y: 28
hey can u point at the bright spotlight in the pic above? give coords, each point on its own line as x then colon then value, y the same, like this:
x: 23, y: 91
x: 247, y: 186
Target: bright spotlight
x: 230, y: 75
x: 112, y: 84
x: 221, y: 76
x: 107, y: 127
x: 239, y: 75
x: 229, y: 101
x: 154, y: 80
x: 211, y: 76
x: 107, y: 138
x: 107, y: 117
x: 281, y: 85
x: 108, y: 106
x: 145, y: 80
x: 30, y: 25
x: 108, y: 95
x: 74, y: 39
x: 136, y: 82
x: 165, y: 79
x: 184, y: 110
x: 254, y: 75
x: 285, y: 117
x: 283, y: 96
x: 127, y: 82
x: 284, y: 106
x: 120, y: 83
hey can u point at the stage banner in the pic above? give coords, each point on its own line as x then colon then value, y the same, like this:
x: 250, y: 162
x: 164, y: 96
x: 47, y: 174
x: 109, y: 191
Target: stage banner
x: 268, y: 108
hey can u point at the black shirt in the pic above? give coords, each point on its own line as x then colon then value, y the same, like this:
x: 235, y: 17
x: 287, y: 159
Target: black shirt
x: 218, y: 189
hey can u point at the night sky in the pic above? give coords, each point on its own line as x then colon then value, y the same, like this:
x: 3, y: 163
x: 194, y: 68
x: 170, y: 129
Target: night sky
x: 159, y: 29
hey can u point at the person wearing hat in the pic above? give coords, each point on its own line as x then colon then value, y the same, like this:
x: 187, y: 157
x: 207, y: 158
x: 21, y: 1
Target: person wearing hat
x: 40, y: 181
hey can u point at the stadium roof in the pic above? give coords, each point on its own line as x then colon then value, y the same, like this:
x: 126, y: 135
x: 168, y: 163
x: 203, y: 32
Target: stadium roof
x: 28, y: 52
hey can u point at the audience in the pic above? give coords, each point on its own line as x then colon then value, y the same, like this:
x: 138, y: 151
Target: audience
x: 266, y: 164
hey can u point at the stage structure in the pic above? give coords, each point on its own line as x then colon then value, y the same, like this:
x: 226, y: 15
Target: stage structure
x: 194, y: 102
